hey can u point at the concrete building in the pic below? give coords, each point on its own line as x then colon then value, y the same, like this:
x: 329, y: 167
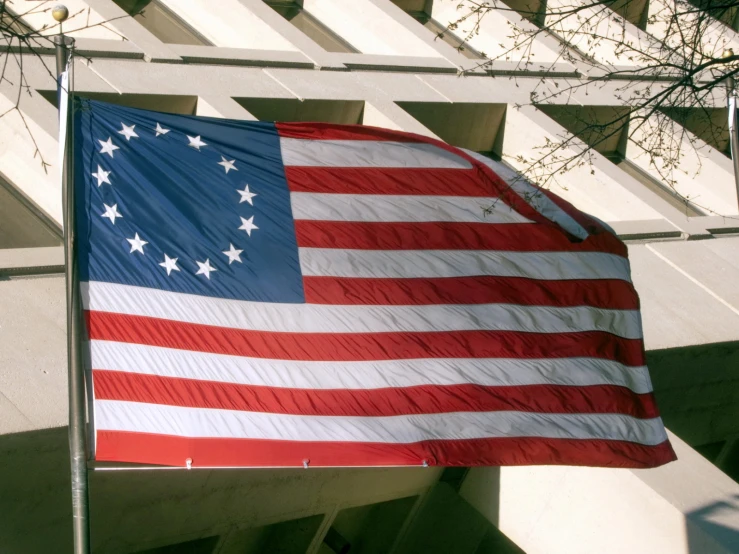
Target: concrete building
x: 375, y: 62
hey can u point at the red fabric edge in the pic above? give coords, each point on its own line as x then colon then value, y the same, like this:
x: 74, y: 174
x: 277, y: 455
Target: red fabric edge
x: 208, y: 452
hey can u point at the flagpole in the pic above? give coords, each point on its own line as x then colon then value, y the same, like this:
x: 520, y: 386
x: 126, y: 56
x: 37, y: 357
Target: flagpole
x: 731, y: 98
x: 76, y: 378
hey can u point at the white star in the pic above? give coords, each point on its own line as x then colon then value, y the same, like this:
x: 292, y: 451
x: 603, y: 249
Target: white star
x: 246, y: 196
x: 195, y: 142
x: 137, y: 244
x: 102, y: 176
x: 111, y: 212
x: 227, y: 165
x: 233, y: 254
x: 205, y: 268
x: 248, y: 225
x: 161, y: 130
x: 127, y: 131
x: 107, y: 147
x: 170, y: 264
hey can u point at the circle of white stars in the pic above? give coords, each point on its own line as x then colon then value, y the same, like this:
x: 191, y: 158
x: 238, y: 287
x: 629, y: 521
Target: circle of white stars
x: 137, y: 244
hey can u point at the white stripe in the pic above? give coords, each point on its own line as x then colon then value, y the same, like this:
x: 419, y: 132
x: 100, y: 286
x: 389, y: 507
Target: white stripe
x: 407, y: 264
x: 488, y: 372
x: 197, y: 422
x: 367, y: 153
x: 320, y: 318
x: 533, y: 195
x: 370, y: 207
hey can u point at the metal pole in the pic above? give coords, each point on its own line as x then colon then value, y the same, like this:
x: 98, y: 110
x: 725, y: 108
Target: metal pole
x: 733, y: 138
x: 731, y: 99
x: 76, y: 378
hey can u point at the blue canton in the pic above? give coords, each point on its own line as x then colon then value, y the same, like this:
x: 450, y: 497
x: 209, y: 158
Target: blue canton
x: 183, y: 204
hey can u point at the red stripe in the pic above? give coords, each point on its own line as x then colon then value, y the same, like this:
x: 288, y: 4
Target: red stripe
x: 386, y: 180
x: 519, y: 237
x: 361, y: 346
x: 607, y: 293
x: 331, y: 131
x: 145, y: 448
x: 483, y: 174
x: 427, y: 399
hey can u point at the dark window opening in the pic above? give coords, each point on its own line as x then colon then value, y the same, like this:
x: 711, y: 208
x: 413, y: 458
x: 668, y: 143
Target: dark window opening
x: 310, y: 26
x: 726, y: 11
x: 453, y: 40
x: 162, y: 22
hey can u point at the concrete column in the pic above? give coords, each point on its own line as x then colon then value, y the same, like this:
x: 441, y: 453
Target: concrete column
x: 125, y: 26
x: 368, y: 28
x: 426, y: 35
x: 600, y: 33
x: 19, y: 161
x: 388, y: 114
x: 599, y: 190
x: 291, y: 33
x: 494, y: 38
x: 28, y: 135
x: 222, y: 106
x: 715, y: 38
x: 233, y: 24
x: 704, y: 174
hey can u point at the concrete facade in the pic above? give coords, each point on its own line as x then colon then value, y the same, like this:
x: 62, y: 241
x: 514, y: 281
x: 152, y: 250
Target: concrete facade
x: 371, y: 62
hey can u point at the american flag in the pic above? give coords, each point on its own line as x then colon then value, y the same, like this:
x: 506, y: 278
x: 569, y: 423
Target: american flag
x: 261, y: 294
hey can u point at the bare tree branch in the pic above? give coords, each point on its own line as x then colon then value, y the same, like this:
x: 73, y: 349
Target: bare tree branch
x: 668, y: 61
x: 18, y: 41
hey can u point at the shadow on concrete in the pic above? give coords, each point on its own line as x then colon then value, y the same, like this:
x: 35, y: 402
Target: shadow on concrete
x: 705, y: 531
x: 697, y: 390
x: 448, y: 524
x: 34, y: 492
x: 132, y: 511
